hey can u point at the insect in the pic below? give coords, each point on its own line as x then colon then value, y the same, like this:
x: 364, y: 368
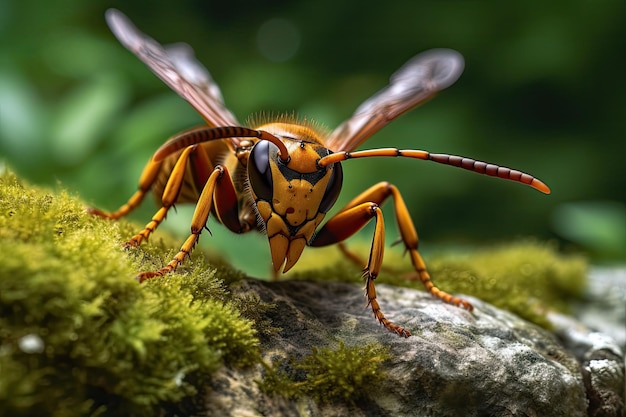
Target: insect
x: 282, y: 176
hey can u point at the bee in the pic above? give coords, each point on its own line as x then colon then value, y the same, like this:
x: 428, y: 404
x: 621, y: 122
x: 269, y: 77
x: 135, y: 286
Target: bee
x: 282, y: 177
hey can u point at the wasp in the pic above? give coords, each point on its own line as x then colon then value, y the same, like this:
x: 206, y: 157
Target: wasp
x: 282, y: 177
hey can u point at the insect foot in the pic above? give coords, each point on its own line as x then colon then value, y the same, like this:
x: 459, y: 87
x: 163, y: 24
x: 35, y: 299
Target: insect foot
x: 370, y: 293
x: 144, y: 276
x: 97, y: 212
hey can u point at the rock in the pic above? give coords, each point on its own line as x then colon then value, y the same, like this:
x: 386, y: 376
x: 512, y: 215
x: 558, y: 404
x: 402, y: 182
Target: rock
x: 598, y: 338
x: 485, y: 363
x: 102, y: 344
x: 604, y: 307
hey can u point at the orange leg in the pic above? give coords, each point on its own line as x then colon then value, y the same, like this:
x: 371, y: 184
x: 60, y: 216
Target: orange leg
x: 170, y: 194
x: 345, y: 224
x: 217, y: 193
x: 148, y: 176
x: 349, y: 254
x: 358, y: 260
x: 353, y: 217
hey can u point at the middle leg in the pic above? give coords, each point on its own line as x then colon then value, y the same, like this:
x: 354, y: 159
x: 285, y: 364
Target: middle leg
x: 344, y: 225
x: 378, y: 194
x: 354, y: 216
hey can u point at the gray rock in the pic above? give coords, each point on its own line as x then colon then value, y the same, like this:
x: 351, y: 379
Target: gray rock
x: 598, y: 338
x: 485, y: 363
x: 604, y: 308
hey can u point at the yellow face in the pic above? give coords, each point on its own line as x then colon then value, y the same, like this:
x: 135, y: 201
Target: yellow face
x: 292, y: 196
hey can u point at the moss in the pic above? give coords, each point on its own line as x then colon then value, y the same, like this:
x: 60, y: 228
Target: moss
x: 343, y: 373
x: 78, y: 334
x: 74, y: 320
x: 528, y: 278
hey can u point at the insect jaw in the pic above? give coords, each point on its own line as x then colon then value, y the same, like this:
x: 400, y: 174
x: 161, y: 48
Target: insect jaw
x: 291, y: 197
x: 286, y: 242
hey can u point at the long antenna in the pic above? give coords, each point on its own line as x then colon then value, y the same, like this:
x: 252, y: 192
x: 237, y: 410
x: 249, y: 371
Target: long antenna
x: 442, y: 158
x: 206, y: 134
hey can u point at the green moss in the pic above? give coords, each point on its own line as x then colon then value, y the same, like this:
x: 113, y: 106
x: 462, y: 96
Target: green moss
x: 79, y: 336
x: 528, y: 278
x: 341, y: 374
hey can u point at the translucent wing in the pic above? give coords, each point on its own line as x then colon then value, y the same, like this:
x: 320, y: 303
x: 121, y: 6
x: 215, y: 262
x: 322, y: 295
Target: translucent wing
x: 177, y: 66
x: 414, y: 83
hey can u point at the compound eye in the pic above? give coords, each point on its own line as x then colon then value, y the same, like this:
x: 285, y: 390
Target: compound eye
x: 259, y: 172
x: 332, y: 189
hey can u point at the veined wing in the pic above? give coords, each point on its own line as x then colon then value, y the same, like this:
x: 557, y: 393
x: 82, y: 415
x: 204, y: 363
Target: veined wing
x: 177, y: 66
x: 414, y: 83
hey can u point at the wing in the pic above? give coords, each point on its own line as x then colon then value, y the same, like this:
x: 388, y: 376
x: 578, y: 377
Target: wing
x: 414, y: 83
x: 177, y: 66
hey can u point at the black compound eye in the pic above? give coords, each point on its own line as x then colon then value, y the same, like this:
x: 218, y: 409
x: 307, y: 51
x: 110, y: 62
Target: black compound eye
x: 259, y: 172
x: 332, y: 189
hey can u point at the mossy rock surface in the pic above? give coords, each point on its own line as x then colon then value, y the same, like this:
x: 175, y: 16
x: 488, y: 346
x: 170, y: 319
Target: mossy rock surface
x: 79, y: 336
x: 489, y: 362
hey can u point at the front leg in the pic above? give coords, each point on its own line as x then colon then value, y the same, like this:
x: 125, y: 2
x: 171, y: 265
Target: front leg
x: 345, y: 224
x: 219, y: 195
x: 169, y: 197
x: 354, y: 216
x: 378, y: 194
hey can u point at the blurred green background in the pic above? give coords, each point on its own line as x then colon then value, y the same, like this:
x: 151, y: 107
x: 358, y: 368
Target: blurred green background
x: 543, y: 92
